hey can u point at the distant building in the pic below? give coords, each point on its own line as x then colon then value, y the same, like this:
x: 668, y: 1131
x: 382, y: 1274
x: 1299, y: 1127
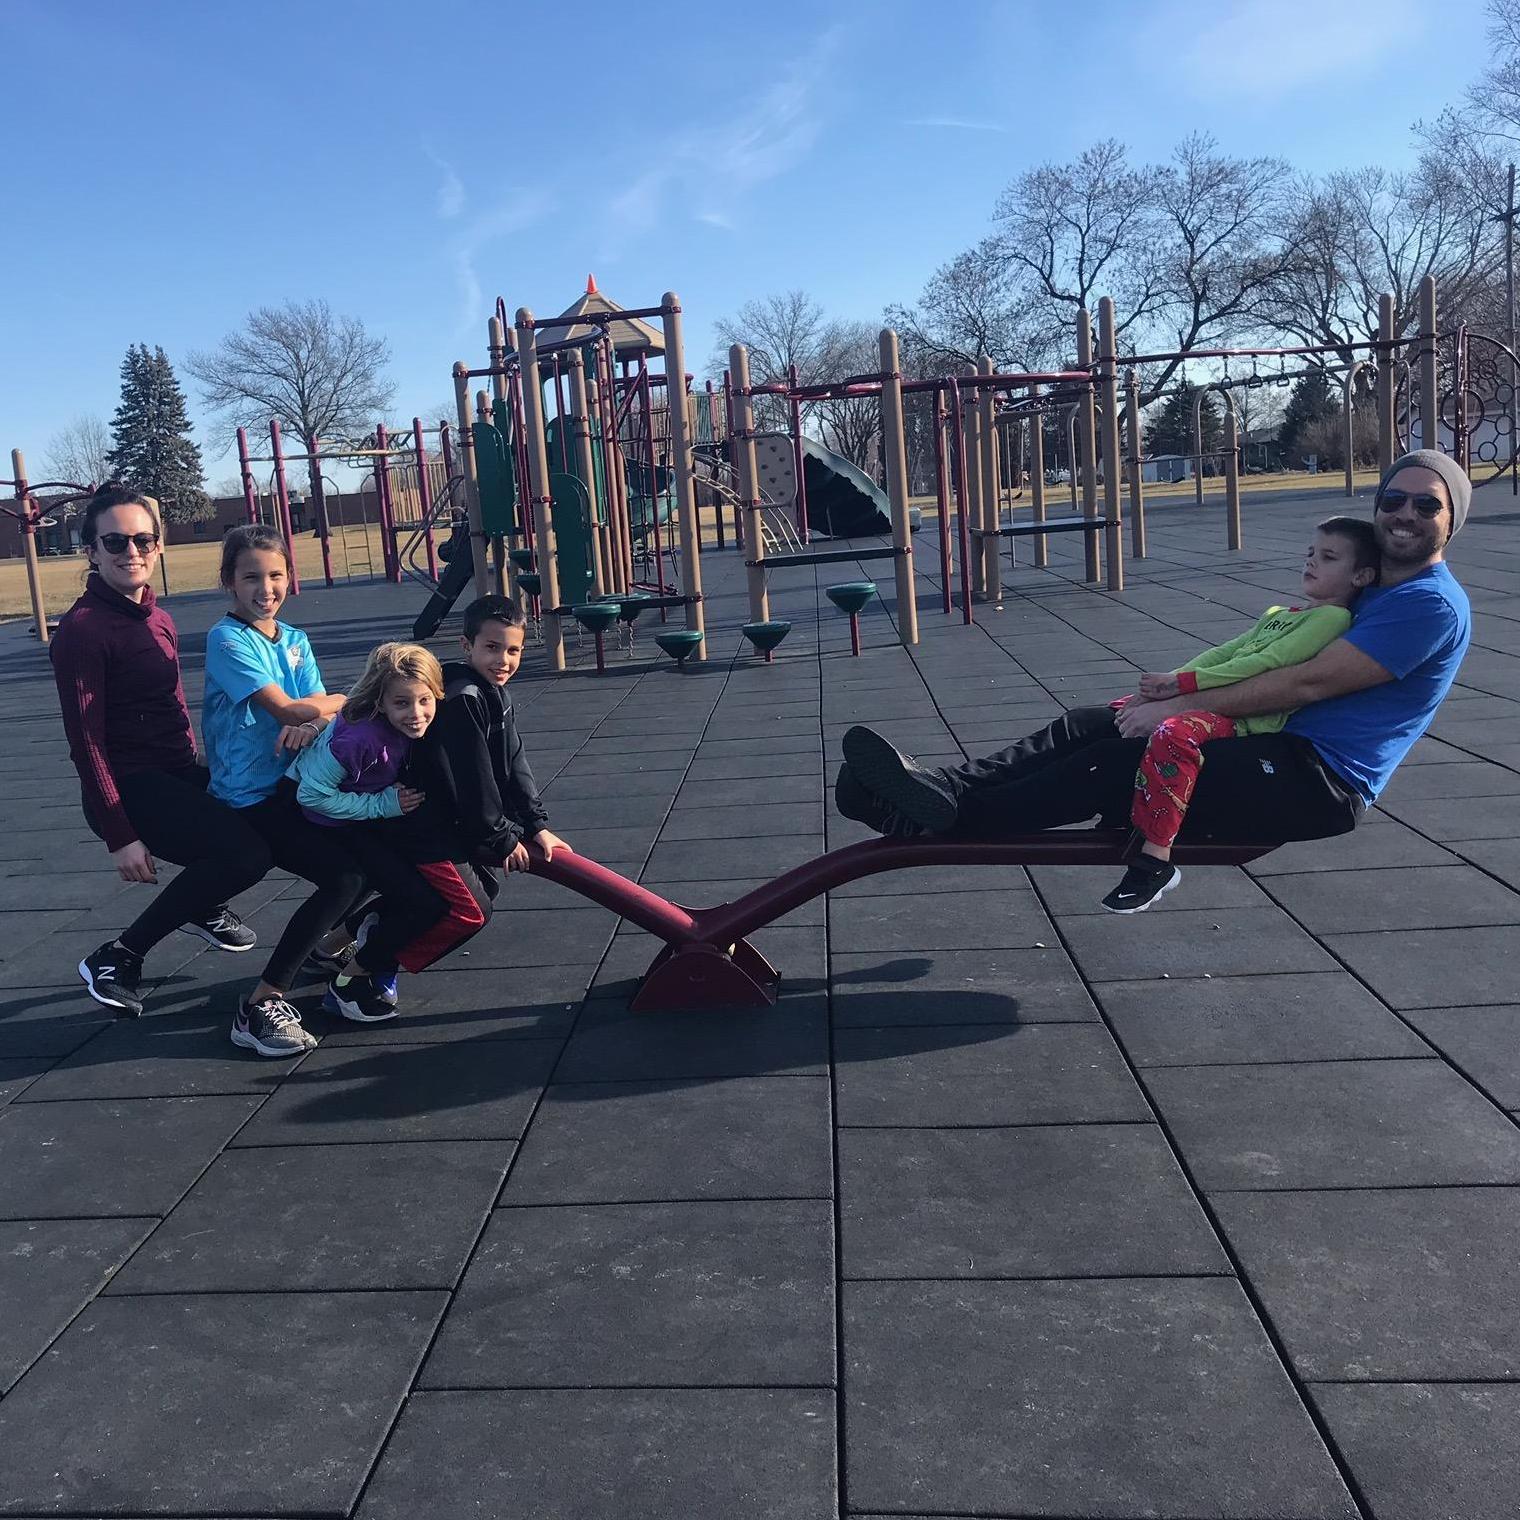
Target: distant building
x: 1166, y: 469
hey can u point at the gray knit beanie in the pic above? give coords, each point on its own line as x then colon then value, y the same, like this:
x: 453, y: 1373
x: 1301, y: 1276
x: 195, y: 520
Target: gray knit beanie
x: 1458, y: 486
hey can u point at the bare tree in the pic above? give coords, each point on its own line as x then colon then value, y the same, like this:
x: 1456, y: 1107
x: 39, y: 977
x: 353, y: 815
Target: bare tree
x: 971, y: 306
x: 851, y: 426
x: 79, y: 453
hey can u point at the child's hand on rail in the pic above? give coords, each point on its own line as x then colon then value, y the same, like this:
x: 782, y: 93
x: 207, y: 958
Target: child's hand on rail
x: 546, y: 843
x: 518, y: 860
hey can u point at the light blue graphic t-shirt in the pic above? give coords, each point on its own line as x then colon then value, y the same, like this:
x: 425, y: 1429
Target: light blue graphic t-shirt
x: 239, y: 735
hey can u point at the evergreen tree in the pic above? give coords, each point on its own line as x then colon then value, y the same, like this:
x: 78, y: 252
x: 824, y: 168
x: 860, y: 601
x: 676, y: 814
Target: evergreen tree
x: 150, y: 433
x: 1170, y: 430
x: 1310, y: 402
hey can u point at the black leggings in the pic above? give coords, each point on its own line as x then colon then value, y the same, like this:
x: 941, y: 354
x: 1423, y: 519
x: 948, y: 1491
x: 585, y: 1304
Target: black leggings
x: 179, y: 821
x: 315, y: 854
x: 1264, y: 788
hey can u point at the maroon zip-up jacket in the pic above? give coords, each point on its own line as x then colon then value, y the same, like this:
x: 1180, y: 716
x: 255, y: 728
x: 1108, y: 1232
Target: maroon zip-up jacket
x: 116, y: 663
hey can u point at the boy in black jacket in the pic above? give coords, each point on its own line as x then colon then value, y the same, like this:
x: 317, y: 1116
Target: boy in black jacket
x: 480, y: 779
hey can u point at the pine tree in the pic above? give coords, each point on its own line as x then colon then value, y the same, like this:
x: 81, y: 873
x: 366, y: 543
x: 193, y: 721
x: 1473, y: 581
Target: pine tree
x: 1311, y: 401
x: 1170, y: 431
x: 151, y: 447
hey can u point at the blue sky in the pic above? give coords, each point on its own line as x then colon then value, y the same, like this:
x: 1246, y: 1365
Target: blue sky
x: 180, y: 163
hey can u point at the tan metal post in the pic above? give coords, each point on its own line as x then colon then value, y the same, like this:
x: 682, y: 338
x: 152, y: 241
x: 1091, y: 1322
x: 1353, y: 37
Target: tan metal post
x: 1430, y: 400
x: 1199, y: 392
x: 680, y: 450
x: 992, y: 496
x: 1387, y: 383
x: 744, y: 460
x: 470, y: 473
x: 545, y: 560
x: 971, y: 423
x: 1087, y: 431
x: 1037, y: 479
x: 1113, y: 501
x: 897, y: 484
x: 29, y: 544
x: 580, y: 428
x: 1348, y: 384
x: 1231, y: 473
x: 1136, y: 472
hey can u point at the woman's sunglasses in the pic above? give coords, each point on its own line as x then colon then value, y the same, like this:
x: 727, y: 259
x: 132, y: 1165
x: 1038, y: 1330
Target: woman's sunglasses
x: 1425, y: 504
x: 116, y: 543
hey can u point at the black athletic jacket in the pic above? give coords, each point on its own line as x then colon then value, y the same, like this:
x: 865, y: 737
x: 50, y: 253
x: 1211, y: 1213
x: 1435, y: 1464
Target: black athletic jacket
x: 476, y: 771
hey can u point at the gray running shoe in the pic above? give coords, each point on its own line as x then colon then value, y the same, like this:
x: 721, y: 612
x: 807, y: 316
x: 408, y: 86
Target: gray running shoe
x: 853, y: 801
x: 271, y: 1027
x: 224, y: 929
x: 920, y: 795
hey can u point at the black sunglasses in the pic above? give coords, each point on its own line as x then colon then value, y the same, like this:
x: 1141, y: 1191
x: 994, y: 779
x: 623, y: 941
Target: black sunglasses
x: 116, y: 543
x: 1425, y: 504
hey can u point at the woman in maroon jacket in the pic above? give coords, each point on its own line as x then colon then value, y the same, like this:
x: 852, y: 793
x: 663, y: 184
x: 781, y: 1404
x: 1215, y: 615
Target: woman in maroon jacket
x: 116, y: 662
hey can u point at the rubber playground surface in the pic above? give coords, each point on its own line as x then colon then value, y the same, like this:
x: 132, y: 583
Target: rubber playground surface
x: 1008, y: 1208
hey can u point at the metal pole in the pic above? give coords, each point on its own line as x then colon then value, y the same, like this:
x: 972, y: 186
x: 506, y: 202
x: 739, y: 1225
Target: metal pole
x: 942, y: 497
x: 27, y: 520
x: 897, y: 485
x: 971, y: 426
x: 1348, y: 384
x: 712, y: 432
x: 646, y: 405
x: 1430, y: 403
x: 742, y: 434
x: 1087, y: 434
x: 424, y: 495
x: 798, y: 453
x: 680, y: 449
x: 1136, y: 471
x: 250, y: 497
x: 579, y: 422
x: 392, y: 550
x: 471, y: 476
x: 962, y: 496
x: 538, y: 477
x: 1509, y: 311
x: 992, y: 513
x: 282, y: 500
x: 1037, y: 480
x: 728, y: 407
x: 1113, y: 502
x: 1387, y: 385
x: 1231, y: 473
x: 319, y: 506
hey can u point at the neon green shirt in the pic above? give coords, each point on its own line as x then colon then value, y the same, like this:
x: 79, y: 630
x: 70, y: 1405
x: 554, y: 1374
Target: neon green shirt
x: 1280, y: 636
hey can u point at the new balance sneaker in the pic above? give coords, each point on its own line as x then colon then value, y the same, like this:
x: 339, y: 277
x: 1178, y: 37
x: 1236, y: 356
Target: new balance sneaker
x: 330, y: 963
x: 112, y: 975
x: 359, y: 999
x: 271, y: 1027
x: 854, y: 802
x: 917, y: 793
x: 1145, y: 880
x: 224, y: 929
x: 385, y: 981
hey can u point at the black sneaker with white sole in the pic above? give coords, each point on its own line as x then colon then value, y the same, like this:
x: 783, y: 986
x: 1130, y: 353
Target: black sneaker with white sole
x: 853, y: 801
x: 271, y: 1027
x: 113, y: 976
x: 1145, y: 880
x: 916, y: 793
x: 359, y: 999
x: 224, y: 929
x: 330, y: 963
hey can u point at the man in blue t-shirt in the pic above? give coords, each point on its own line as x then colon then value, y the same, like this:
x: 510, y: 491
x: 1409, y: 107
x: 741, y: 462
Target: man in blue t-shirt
x: 1358, y: 706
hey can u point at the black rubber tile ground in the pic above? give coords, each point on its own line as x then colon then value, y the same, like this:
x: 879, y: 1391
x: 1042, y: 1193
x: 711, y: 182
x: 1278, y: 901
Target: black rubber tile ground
x: 17, y: 1073
x: 747, y: 1137
x: 645, y: 1295
x: 1433, y: 968
x: 1423, y: 1285
x: 49, y: 1270
x: 83, y: 1159
x: 1417, y: 897
x: 198, y: 1391
x: 1190, y: 942
x: 612, y: 1454
x: 1482, y: 1042
x: 325, y: 1217
x: 983, y: 1075
x: 1198, y: 1021
x: 1428, y: 1452
x: 1335, y: 1124
x: 1089, y: 1200
x: 1008, y: 1398
x: 48, y: 1021
x: 1019, y: 986
x: 944, y: 921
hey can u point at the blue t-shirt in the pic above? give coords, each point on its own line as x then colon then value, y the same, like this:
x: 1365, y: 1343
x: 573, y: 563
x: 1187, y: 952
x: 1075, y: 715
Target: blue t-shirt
x: 1418, y: 632
x: 238, y: 734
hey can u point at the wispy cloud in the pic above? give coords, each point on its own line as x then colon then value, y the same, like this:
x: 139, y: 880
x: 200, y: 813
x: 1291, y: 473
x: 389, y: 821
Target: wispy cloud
x: 451, y: 194
x: 955, y: 124
x: 1264, y: 51
x: 718, y: 165
x: 516, y: 210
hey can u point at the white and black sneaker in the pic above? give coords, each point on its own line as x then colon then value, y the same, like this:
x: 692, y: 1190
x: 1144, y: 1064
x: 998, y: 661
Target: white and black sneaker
x: 1145, y: 880
x: 112, y: 976
x: 360, y: 999
x: 224, y: 929
x: 271, y: 1027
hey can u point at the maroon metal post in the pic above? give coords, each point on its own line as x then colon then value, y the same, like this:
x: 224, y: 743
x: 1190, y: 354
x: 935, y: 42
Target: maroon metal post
x: 282, y: 501
x: 794, y: 404
x: 250, y: 498
x: 319, y: 502
x: 712, y: 432
x: 854, y: 633
x: 962, y: 528
x: 389, y: 550
x: 424, y: 495
x: 942, y: 496
x: 520, y: 452
x: 732, y: 431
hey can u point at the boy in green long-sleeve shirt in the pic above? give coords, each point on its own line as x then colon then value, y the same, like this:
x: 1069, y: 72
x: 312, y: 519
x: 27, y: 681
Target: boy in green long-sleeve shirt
x: 1342, y: 560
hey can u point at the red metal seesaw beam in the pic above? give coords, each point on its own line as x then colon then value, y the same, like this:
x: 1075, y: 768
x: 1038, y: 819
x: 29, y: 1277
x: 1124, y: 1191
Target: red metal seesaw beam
x: 707, y: 960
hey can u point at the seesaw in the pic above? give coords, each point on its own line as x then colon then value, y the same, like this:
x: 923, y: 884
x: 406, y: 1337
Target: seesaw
x: 708, y: 961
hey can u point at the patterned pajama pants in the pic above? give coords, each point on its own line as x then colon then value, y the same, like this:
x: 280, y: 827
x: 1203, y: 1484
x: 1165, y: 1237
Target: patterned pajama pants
x: 1169, y: 771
